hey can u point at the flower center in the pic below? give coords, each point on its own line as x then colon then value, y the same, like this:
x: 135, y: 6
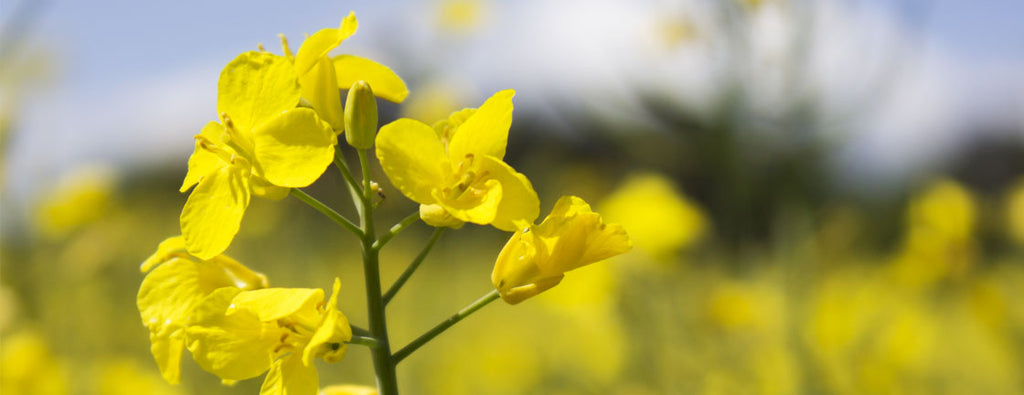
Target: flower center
x: 469, y: 180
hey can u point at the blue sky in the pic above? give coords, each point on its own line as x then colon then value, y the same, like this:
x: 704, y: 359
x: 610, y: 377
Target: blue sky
x: 133, y: 77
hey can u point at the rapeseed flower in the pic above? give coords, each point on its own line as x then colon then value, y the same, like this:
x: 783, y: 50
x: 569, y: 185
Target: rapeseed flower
x: 171, y: 292
x: 239, y: 334
x: 262, y: 146
x: 537, y: 257
x: 455, y: 169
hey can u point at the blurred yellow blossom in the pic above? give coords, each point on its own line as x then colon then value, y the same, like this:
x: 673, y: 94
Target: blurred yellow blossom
x: 27, y: 366
x: 1015, y: 212
x: 938, y: 239
x: 435, y: 99
x: 239, y: 334
x: 675, y: 30
x: 455, y: 171
x: 537, y: 257
x: 348, y: 389
x: 126, y: 377
x: 8, y: 308
x: 461, y: 16
x: 80, y: 197
x: 171, y: 292
x: 659, y: 219
x: 735, y: 305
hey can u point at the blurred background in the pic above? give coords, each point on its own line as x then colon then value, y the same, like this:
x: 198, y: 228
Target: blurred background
x: 825, y: 196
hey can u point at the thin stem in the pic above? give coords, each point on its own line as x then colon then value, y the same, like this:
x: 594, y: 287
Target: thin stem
x: 357, y: 331
x: 387, y: 379
x: 413, y: 266
x: 353, y: 186
x: 398, y: 228
x: 330, y: 213
x: 444, y: 325
x: 364, y: 341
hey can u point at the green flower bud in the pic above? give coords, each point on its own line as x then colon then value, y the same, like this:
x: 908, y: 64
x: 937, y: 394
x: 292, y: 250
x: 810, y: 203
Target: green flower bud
x: 360, y: 116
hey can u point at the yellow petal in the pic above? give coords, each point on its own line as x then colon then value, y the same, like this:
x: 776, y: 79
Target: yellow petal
x: 167, y: 249
x: 580, y: 236
x: 272, y: 304
x: 478, y: 205
x: 486, y: 131
x: 240, y: 275
x: 413, y: 158
x: 436, y: 216
x: 264, y: 189
x: 289, y: 376
x: 447, y: 127
x: 519, y: 202
x: 213, y: 212
x: 167, y: 353
x: 518, y: 294
x: 203, y: 161
x: 167, y: 297
x: 329, y: 339
x: 319, y: 88
x: 234, y: 347
x: 293, y: 149
x: 255, y: 87
x: 385, y: 83
x: 322, y: 42
x: 515, y: 265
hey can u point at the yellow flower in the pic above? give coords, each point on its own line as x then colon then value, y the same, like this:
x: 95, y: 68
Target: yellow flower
x: 659, y: 218
x: 263, y: 146
x: 320, y: 76
x: 1015, y: 212
x: 170, y: 293
x: 79, y: 198
x: 28, y: 366
x: 537, y: 257
x: 240, y: 334
x: 455, y: 169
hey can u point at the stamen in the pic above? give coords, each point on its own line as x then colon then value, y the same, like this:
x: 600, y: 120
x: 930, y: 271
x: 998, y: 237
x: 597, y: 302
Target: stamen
x: 284, y: 46
x: 259, y: 46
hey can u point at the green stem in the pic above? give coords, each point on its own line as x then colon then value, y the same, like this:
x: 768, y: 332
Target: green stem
x: 353, y: 186
x: 398, y: 228
x: 357, y: 331
x: 387, y: 379
x: 330, y: 213
x: 413, y: 266
x: 444, y: 325
x: 364, y: 341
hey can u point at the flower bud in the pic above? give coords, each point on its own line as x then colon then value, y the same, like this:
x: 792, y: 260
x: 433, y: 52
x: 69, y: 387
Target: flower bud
x: 360, y: 116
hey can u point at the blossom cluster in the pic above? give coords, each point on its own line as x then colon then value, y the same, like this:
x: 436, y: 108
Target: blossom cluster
x: 279, y: 121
